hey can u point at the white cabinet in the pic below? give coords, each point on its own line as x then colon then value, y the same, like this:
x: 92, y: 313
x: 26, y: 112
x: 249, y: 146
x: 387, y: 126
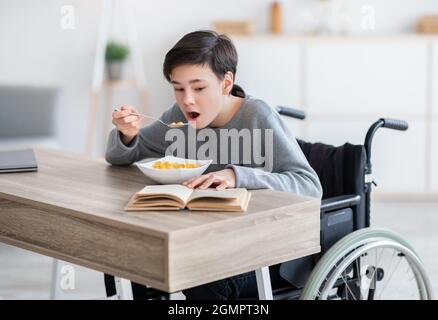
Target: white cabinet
x: 398, y: 157
x: 434, y: 79
x: 434, y: 122
x: 337, y: 131
x: 352, y: 84
x: 434, y: 156
x: 367, y: 77
x: 270, y: 70
x: 344, y: 85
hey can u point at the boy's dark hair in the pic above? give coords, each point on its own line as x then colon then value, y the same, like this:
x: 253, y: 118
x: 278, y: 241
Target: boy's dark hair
x: 202, y: 48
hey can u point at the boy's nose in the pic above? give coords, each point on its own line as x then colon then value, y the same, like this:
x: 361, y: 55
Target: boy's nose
x: 188, y: 99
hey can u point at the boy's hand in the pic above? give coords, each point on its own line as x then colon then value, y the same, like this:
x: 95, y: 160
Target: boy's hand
x: 128, y: 125
x: 220, y: 179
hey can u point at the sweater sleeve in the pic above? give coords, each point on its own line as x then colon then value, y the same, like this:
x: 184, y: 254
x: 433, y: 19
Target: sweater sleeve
x: 290, y: 172
x: 149, y: 143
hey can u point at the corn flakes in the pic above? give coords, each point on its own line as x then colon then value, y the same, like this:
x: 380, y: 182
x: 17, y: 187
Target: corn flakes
x: 176, y: 124
x: 174, y: 165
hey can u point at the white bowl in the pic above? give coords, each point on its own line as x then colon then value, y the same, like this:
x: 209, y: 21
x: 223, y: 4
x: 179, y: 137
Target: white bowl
x: 173, y: 176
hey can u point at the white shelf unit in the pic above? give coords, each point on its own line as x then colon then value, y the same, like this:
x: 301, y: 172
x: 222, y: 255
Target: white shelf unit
x: 34, y: 142
x: 433, y: 119
x: 344, y: 84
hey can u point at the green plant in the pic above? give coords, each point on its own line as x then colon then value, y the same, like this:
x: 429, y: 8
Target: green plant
x: 116, y: 51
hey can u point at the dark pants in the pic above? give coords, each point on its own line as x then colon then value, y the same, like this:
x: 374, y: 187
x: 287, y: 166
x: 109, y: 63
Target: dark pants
x: 139, y: 291
x: 242, y: 286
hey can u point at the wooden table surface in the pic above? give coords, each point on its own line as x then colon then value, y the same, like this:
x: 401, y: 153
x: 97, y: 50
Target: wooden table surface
x: 72, y: 209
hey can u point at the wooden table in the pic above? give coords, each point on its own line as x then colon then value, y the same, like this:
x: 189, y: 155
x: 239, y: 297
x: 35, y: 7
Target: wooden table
x: 72, y: 209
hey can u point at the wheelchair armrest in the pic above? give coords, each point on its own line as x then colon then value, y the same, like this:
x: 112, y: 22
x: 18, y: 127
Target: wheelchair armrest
x: 339, y: 202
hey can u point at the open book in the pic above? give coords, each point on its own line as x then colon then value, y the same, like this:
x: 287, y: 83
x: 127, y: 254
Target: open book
x: 176, y: 196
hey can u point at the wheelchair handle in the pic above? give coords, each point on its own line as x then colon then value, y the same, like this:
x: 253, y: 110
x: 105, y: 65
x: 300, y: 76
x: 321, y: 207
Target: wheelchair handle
x: 385, y: 123
x: 291, y: 112
x: 395, y: 124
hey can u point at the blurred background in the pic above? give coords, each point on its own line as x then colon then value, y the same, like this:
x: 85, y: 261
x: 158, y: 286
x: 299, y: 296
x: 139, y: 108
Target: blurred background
x: 64, y: 65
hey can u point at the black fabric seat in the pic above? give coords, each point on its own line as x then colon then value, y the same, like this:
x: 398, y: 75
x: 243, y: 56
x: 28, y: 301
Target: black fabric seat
x: 341, y: 172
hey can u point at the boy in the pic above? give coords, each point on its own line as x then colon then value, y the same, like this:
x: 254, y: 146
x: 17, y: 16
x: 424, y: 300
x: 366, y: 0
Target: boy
x: 202, y: 68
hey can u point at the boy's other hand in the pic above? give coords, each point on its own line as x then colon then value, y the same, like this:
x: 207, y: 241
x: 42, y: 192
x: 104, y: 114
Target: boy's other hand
x: 128, y: 125
x: 220, y: 179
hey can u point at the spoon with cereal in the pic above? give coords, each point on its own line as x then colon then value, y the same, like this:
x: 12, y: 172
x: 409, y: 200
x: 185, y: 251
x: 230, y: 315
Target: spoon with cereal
x: 176, y: 124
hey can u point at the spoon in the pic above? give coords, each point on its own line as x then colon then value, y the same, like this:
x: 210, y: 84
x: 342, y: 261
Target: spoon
x: 170, y: 125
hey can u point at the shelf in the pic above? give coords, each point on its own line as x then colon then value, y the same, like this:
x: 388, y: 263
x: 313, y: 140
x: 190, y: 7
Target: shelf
x: 120, y: 84
x: 337, y: 38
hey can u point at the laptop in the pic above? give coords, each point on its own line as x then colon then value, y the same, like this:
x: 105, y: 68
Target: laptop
x: 17, y: 161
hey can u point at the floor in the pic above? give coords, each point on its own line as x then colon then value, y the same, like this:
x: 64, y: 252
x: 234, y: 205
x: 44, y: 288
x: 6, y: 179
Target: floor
x: 26, y: 275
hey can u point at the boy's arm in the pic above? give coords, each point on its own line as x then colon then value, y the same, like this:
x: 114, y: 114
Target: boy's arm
x: 291, y: 171
x: 148, y: 143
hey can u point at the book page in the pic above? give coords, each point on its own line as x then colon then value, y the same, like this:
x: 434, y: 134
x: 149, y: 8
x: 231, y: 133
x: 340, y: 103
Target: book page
x: 175, y: 191
x: 220, y: 204
x: 157, y: 203
x: 234, y: 193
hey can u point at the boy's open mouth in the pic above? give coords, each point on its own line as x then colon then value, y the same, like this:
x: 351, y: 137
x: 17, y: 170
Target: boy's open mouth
x: 193, y: 115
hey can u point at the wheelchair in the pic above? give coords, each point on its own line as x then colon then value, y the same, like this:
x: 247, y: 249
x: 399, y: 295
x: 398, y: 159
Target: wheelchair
x: 356, y: 262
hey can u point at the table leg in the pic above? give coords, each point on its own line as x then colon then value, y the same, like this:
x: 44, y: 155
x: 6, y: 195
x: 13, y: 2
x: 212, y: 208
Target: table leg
x: 55, y: 289
x: 123, y: 289
x: 264, y: 283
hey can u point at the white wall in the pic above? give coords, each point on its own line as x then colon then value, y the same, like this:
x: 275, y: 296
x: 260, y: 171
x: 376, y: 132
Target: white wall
x: 36, y: 50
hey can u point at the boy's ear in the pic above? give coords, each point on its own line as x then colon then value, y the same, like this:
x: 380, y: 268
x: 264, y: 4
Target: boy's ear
x: 228, y: 83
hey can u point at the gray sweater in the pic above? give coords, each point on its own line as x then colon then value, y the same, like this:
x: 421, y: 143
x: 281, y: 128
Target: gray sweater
x: 255, y: 143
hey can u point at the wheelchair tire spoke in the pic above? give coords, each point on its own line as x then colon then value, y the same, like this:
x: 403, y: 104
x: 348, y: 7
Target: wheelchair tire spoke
x: 390, y: 276
x: 354, y: 271
x: 376, y: 264
x: 348, y: 287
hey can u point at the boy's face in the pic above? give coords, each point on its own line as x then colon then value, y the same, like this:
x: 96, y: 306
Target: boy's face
x: 199, y: 93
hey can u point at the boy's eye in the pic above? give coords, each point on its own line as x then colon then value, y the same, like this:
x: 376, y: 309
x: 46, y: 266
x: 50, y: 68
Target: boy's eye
x: 179, y: 89
x: 199, y: 89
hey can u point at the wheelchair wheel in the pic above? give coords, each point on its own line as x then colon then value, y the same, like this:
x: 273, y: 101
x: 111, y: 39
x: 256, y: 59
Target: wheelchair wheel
x: 369, y: 264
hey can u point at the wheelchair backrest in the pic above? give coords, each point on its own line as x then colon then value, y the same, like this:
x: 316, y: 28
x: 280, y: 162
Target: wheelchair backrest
x: 341, y: 171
